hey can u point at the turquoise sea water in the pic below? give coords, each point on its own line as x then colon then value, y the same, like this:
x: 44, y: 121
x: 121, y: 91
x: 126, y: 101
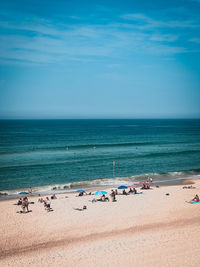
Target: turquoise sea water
x: 79, y: 153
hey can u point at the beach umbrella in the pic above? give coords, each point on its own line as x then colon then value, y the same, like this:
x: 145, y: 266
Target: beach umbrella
x: 100, y: 192
x: 80, y: 191
x: 122, y: 187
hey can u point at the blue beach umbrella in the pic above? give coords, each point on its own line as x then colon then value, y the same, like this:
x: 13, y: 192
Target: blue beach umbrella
x: 100, y: 192
x: 122, y: 187
x: 80, y: 191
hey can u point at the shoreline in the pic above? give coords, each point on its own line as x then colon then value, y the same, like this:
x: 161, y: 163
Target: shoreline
x: 169, y: 182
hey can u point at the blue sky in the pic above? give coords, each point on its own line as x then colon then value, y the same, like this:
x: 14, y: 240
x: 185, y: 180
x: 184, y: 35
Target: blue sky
x: 99, y: 59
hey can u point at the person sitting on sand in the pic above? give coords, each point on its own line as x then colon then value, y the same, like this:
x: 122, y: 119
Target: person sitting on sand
x: 134, y: 191
x: 19, y: 201
x: 146, y: 186
x: 143, y: 186
x: 53, y: 197
x: 40, y: 200
x: 80, y: 194
x: 196, y: 198
x: 103, y: 198
x: 130, y: 191
x: 124, y: 192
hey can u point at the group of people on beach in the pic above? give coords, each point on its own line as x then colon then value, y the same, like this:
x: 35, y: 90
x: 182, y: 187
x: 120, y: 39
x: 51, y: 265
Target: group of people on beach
x: 47, y: 202
x: 114, y: 193
x: 146, y: 186
x: 24, y: 204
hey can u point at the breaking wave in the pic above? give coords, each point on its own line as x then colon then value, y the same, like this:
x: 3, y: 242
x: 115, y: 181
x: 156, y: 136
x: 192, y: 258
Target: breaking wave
x: 107, y: 182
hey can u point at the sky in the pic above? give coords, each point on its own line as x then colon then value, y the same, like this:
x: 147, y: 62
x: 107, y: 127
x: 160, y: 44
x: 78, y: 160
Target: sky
x: 99, y: 59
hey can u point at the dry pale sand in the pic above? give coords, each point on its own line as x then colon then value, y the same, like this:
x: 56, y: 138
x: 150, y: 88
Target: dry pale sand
x: 149, y: 229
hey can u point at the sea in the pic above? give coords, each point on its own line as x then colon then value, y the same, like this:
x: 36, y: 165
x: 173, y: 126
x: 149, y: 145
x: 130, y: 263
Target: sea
x: 66, y: 155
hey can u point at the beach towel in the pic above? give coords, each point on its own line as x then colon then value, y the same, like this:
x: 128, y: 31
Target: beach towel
x: 193, y: 202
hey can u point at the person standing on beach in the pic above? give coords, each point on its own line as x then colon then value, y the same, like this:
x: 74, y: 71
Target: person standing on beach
x: 47, y: 204
x: 113, y: 196
x: 26, y: 203
x: 149, y: 180
x: 23, y: 205
x: 30, y: 191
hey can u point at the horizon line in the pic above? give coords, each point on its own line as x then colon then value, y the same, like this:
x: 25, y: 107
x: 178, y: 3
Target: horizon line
x: 109, y: 118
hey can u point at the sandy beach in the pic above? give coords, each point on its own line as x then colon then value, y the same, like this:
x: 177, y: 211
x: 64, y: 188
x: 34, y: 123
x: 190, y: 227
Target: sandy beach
x: 156, y: 228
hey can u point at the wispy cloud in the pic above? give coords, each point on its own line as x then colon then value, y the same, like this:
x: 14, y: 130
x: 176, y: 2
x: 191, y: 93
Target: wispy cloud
x: 145, y: 22
x: 44, y: 41
x: 195, y: 40
x: 164, y: 37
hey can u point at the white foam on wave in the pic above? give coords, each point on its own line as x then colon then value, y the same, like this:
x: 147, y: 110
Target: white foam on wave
x: 101, y: 182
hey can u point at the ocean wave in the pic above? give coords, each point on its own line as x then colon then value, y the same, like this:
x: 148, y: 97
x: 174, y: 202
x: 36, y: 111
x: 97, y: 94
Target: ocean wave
x: 75, y: 147
x: 80, y: 158
x: 168, y: 153
x: 106, y: 182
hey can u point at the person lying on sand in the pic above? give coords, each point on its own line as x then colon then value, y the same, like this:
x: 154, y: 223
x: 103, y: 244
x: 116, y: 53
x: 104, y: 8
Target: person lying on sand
x: 79, y: 209
x: 103, y: 198
x: 53, y: 197
x: 189, y: 187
